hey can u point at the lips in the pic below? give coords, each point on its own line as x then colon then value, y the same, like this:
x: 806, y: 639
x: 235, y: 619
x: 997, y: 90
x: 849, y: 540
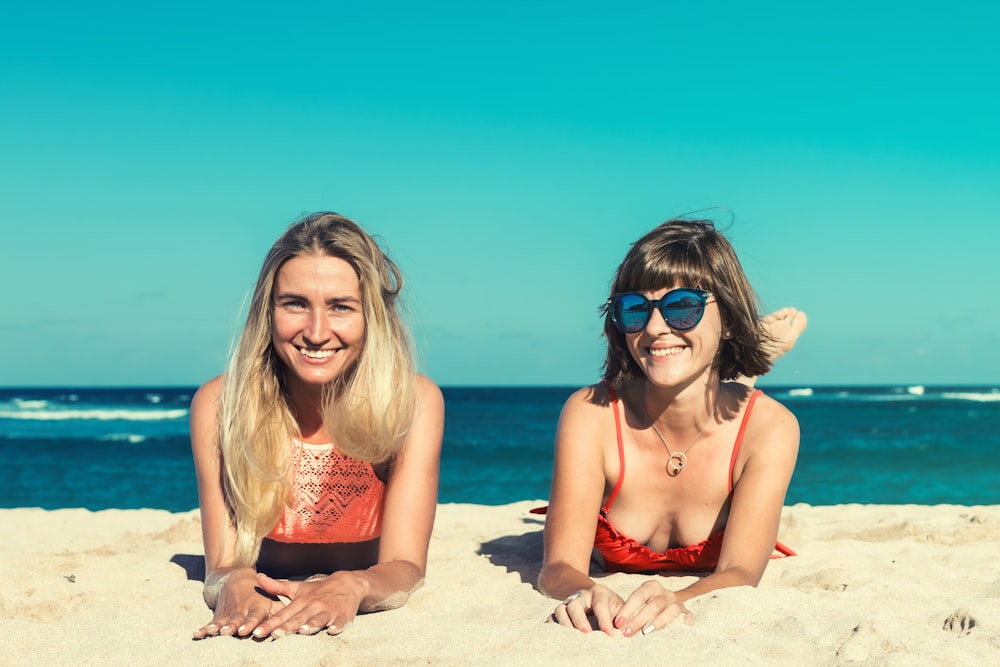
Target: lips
x: 665, y: 352
x: 315, y: 354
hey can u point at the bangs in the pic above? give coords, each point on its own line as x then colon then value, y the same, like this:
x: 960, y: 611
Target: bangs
x: 671, y: 267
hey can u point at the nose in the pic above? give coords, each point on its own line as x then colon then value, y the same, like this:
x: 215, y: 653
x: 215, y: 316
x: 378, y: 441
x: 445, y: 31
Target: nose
x: 656, y: 324
x: 317, y: 331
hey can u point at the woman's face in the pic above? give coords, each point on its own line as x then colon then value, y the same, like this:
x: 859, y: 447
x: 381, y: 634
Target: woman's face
x: 669, y: 357
x: 318, y: 325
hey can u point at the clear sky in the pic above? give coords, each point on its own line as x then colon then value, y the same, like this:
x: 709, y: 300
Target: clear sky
x: 507, y: 153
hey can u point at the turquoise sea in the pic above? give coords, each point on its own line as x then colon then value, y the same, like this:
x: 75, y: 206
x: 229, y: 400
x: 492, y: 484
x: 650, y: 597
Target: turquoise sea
x: 128, y: 447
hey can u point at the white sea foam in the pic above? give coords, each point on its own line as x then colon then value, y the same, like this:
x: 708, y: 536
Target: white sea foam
x: 30, y: 405
x: 916, y: 390
x: 97, y: 414
x: 154, y: 398
x: 982, y: 397
x: 133, y: 438
x: 805, y: 391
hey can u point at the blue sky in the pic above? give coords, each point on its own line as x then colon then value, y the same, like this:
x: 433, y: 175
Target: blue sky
x: 507, y: 153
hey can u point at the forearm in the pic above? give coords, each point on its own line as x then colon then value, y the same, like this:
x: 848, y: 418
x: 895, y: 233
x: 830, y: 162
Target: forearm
x: 217, y: 578
x: 732, y: 576
x: 388, y: 585
x: 560, y: 580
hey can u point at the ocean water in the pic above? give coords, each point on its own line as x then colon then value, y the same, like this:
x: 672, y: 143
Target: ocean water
x: 129, y: 447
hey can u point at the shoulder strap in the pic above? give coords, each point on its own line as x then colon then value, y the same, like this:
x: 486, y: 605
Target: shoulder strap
x: 621, y: 450
x: 739, y: 436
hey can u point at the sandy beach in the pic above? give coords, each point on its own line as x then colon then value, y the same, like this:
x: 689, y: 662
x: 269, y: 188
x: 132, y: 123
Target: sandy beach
x: 887, y: 585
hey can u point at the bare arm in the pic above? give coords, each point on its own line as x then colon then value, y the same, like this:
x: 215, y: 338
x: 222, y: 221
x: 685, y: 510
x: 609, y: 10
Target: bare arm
x: 410, y: 503
x: 772, y: 441
x: 578, y: 482
x: 758, y: 498
x: 230, y: 591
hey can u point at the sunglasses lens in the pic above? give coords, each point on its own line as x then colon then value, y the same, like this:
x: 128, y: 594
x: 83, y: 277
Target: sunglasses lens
x: 630, y: 312
x: 683, y: 309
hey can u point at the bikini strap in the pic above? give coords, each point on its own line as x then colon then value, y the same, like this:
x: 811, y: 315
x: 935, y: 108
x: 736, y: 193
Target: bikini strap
x: 621, y: 451
x: 739, y: 436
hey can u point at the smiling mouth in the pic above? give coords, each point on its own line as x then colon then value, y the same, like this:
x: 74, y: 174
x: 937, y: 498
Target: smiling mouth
x: 668, y: 352
x: 316, y: 354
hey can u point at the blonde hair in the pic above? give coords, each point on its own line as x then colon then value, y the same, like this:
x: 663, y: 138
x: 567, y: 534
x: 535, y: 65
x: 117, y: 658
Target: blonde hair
x: 367, y: 410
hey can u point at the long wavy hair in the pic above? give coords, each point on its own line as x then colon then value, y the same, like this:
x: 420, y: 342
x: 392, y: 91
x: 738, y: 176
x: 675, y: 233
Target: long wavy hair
x: 367, y: 410
x: 690, y: 253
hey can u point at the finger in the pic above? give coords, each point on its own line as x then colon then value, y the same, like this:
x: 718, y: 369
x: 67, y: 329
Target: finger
x: 339, y: 625
x: 307, y: 618
x: 313, y: 625
x: 605, y: 617
x: 561, y: 616
x: 226, y: 624
x: 253, y: 619
x: 282, y: 587
x: 646, y: 623
x: 577, y: 610
x: 636, y: 601
x: 209, y: 630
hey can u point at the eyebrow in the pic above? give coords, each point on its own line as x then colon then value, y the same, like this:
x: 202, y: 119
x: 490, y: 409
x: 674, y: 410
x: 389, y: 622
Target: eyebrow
x: 333, y: 299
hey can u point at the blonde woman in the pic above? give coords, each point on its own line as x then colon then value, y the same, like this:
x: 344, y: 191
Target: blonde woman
x: 317, y: 452
x: 671, y: 465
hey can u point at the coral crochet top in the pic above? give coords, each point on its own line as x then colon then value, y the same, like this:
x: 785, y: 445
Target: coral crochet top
x: 335, y: 498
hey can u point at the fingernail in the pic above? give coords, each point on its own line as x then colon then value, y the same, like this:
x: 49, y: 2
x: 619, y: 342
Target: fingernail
x: 278, y: 633
x: 649, y: 628
x: 257, y: 632
x: 305, y: 629
x: 332, y: 630
x: 240, y: 629
x: 627, y: 632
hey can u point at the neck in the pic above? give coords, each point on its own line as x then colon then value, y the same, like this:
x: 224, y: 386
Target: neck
x: 682, y: 410
x: 306, y: 403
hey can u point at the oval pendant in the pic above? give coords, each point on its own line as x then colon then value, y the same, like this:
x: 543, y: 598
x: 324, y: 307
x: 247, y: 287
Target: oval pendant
x: 676, y: 463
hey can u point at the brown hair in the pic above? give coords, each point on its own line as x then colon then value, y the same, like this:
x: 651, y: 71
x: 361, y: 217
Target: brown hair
x: 690, y: 253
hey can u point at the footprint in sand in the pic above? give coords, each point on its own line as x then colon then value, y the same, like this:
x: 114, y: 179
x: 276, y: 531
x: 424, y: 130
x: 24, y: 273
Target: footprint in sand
x: 960, y: 622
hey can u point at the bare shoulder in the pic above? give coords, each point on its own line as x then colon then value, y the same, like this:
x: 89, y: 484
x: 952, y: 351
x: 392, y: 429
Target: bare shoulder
x: 205, y: 413
x: 208, y: 393
x: 588, y: 402
x: 585, y: 418
x: 427, y: 390
x: 771, y: 425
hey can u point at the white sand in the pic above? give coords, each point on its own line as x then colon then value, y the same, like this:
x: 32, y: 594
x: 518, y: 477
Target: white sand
x: 871, y: 584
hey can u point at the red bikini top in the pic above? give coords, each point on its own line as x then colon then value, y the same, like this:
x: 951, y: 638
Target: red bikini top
x: 623, y: 554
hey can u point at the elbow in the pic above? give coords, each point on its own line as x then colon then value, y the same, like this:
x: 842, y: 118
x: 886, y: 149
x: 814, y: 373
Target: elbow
x: 739, y: 575
x: 550, y: 577
x: 394, y: 600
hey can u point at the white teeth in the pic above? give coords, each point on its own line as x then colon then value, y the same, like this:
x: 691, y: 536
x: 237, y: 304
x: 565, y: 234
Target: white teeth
x: 316, y: 354
x: 665, y: 353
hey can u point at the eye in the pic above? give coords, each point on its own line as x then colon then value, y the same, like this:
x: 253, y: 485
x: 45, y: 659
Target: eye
x: 343, y: 308
x: 292, y: 304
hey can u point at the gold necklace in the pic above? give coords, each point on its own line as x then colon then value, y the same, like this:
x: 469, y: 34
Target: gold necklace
x: 677, y: 460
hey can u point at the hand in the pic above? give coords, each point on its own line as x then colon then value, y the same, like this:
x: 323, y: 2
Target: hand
x: 597, y: 600
x: 650, y: 607
x: 240, y: 607
x: 320, y: 602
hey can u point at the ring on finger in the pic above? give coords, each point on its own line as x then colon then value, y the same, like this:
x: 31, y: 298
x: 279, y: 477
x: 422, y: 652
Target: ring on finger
x: 578, y: 594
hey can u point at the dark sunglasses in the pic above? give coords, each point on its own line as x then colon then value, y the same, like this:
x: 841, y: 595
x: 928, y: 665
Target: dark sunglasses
x: 682, y: 309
